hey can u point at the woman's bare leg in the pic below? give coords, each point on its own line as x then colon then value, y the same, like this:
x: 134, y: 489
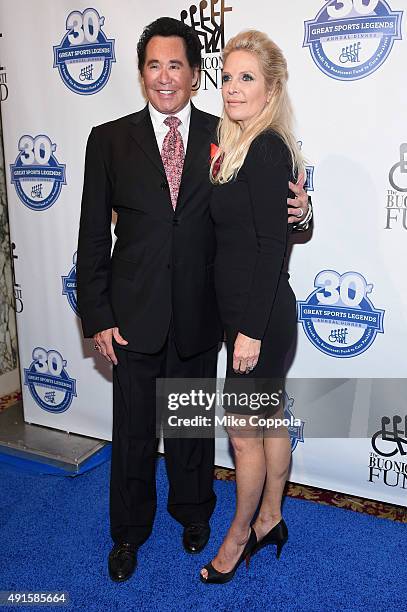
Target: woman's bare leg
x: 277, y: 448
x: 250, y: 474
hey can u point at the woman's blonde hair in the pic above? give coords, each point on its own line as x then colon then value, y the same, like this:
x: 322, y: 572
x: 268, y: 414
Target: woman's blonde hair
x: 277, y: 115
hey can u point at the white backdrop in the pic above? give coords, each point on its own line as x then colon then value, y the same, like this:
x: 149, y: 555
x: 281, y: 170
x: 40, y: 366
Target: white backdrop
x: 70, y: 67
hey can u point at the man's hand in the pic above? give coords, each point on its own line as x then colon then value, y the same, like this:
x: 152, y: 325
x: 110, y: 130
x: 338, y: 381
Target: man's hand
x: 298, y: 207
x: 103, y: 343
x: 246, y: 354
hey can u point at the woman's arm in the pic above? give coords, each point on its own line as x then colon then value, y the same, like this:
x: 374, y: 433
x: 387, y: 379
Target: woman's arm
x: 267, y: 168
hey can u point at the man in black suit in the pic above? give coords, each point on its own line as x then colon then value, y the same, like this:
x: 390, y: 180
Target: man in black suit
x: 150, y: 306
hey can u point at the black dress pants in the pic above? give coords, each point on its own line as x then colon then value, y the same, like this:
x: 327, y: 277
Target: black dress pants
x: 189, y: 462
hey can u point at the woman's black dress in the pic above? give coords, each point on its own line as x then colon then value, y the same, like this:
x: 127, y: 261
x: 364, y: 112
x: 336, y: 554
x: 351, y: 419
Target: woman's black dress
x: 253, y: 292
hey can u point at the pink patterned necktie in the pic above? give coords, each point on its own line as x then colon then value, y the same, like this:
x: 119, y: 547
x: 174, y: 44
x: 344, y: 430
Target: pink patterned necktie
x: 172, y: 155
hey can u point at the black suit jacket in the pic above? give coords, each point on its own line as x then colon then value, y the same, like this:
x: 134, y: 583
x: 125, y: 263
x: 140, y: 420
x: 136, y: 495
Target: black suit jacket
x: 162, y: 263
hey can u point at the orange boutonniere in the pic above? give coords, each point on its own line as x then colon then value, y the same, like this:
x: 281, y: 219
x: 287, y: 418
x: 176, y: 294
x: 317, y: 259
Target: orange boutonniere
x: 214, y: 150
x: 216, y: 167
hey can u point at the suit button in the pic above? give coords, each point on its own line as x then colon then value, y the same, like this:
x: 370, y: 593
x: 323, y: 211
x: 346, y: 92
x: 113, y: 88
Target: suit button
x: 164, y: 185
x: 175, y: 221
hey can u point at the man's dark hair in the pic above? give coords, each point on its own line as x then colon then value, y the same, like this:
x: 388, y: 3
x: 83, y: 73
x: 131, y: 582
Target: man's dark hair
x: 167, y: 26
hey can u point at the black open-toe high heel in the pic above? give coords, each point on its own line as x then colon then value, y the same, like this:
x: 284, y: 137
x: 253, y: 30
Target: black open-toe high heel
x: 278, y: 535
x: 215, y: 577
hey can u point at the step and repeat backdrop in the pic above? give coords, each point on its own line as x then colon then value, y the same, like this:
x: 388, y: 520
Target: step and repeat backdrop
x: 69, y: 65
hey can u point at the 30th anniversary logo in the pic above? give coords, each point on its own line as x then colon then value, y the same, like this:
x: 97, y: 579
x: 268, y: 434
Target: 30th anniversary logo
x: 351, y: 39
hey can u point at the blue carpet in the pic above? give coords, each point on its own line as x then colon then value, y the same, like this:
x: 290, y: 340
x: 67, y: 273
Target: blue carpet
x: 54, y: 536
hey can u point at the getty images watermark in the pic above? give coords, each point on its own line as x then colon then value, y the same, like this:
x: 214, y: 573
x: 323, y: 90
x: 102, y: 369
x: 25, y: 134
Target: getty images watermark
x: 192, y: 408
x: 370, y: 408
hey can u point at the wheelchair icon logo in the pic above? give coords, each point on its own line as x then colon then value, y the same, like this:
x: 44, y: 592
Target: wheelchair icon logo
x: 391, y: 435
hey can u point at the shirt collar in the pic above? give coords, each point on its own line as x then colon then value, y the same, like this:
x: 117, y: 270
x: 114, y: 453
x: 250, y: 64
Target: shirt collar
x: 158, y: 118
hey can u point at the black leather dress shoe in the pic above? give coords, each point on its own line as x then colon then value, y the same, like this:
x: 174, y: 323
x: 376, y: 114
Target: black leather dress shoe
x: 122, y: 561
x: 196, y: 536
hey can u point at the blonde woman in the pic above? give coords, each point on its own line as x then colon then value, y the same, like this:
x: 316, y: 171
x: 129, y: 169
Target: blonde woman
x: 257, y: 156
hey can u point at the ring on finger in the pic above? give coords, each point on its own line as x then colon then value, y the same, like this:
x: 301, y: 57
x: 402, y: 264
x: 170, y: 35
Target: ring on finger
x: 300, y: 212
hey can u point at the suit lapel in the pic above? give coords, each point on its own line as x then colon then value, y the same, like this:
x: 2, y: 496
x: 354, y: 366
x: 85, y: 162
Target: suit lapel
x: 143, y: 133
x: 198, y: 151
x: 198, y: 130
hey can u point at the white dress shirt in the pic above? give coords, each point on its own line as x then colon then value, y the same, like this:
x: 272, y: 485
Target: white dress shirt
x: 160, y: 129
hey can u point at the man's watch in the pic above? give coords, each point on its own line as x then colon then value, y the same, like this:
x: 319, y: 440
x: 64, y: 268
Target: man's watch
x: 304, y: 224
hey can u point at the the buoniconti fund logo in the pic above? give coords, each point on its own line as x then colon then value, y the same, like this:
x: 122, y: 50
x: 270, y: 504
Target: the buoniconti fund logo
x: 69, y: 287
x: 37, y: 175
x: 396, y: 199
x: 350, y: 39
x: 3, y: 81
x: 208, y: 20
x: 389, y: 449
x: 18, y: 294
x: 338, y: 317
x: 48, y: 381
x: 84, y: 57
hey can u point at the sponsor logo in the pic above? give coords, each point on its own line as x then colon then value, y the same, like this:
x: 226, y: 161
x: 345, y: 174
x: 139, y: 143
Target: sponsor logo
x: 390, y: 440
x: 208, y: 21
x: 338, y: 317
x: 3, y: 81
x: 309, y: 181
x: 85, y: 55
x: 396, y: 199
x: 37, y: 175
x: 69, y: 286
x: 48, y: 381
x: 351, y: 39
x: 296, y: 431
x: 18, y: 294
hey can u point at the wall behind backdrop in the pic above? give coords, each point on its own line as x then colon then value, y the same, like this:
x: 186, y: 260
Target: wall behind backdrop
x: 9, y: 374
x: 70, y: 65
